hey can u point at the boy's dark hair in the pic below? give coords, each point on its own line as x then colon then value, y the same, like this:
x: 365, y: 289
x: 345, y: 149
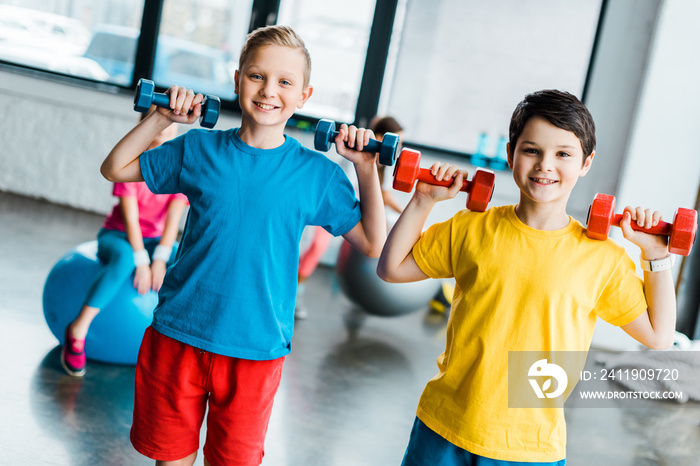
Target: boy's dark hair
x: 561, y: 109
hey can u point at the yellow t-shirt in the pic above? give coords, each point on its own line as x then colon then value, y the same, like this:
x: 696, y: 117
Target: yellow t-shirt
x: 517, y: 289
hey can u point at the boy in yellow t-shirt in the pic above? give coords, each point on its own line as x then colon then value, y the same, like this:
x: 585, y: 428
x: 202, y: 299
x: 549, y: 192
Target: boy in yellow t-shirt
x: 527, y: 279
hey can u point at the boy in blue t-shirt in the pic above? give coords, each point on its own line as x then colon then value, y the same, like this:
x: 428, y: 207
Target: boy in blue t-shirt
x: 224, y: 321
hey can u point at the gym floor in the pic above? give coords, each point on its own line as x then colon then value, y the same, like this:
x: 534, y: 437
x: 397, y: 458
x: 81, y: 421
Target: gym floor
x: 347, y: 398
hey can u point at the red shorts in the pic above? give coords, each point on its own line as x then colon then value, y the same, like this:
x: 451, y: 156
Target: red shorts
x: 174, y: 384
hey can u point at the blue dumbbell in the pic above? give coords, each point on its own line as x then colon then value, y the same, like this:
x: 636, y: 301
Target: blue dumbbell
x: 146, y: 96
x: 325, y: 135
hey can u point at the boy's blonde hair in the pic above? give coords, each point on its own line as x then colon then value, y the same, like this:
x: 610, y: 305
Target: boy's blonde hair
x: 276, y: 35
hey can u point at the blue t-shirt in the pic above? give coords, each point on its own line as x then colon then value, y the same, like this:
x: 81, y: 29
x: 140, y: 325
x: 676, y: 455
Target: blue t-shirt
x: 232, y: 287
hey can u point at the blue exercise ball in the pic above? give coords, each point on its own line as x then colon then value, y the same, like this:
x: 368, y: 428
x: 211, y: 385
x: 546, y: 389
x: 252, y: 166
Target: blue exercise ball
x: 116, y: 333
x: 357, y: 277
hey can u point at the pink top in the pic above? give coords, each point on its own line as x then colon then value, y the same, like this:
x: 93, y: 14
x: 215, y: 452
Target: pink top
x: 153, y: 209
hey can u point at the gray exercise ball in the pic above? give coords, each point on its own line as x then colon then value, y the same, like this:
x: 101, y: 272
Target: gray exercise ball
x: 357, y: 276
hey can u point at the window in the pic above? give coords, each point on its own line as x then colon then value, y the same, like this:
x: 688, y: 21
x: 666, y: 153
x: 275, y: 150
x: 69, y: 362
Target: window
x: 70, y: 37
x: 199, y: 42
x: 450, y: 71
x: 114, y: 49
x: 457, y: 68
x: 336, y: 35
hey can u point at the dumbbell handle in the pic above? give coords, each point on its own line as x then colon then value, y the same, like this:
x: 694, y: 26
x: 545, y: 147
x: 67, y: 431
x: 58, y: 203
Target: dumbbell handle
x: 372, y: 146
x: 662, y: 228
x: 161, y: 100
x: 425, y: 175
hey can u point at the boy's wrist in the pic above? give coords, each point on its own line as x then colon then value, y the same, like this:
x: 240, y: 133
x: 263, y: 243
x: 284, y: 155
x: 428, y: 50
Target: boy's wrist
x: 161, y: 120
x: 366, y: 167
x: 423, y: 201
x: 652, y: 254
x: 657, y: 265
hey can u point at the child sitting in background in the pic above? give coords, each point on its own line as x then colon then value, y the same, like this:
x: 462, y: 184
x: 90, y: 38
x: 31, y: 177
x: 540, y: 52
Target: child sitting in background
x: 380, y: 126
x: 139, y: 234
x: 309, y: 259
x: 439, y: 306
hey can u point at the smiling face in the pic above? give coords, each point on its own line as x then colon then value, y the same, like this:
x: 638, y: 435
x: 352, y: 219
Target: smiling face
x: 547, y: 161
x: 271, y: 85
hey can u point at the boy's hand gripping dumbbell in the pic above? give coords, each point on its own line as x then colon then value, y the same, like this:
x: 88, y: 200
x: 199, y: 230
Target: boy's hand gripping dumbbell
x: 681, y: 233
x: 146, y: 96
x: 479, y: 189
x: 325, y: 135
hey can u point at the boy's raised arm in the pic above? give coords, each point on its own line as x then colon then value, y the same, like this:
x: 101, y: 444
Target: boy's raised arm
x: 656, y: 327
x: 396, y: 263
x: 122, y: 163
x: 369, y: 234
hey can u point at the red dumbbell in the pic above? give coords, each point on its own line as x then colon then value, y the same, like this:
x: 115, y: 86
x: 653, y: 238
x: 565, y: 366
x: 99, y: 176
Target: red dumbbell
x: 681, y: 233
x: 479, y: 189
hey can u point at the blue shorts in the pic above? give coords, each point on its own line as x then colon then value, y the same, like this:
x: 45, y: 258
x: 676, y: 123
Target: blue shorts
x: 426, y: 448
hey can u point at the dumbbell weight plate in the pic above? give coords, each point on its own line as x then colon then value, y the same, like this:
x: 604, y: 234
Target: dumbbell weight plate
x: 144, y: 95
x: 211, y: 108
x: 600, y: 215
x: 406, y: 170
x: 685, y: 225
x: 388, y: 149
x: 323, y: 135
x: 481, y: 190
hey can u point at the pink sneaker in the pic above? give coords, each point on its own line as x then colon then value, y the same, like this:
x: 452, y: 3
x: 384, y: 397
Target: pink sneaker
x: 73, y: 355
